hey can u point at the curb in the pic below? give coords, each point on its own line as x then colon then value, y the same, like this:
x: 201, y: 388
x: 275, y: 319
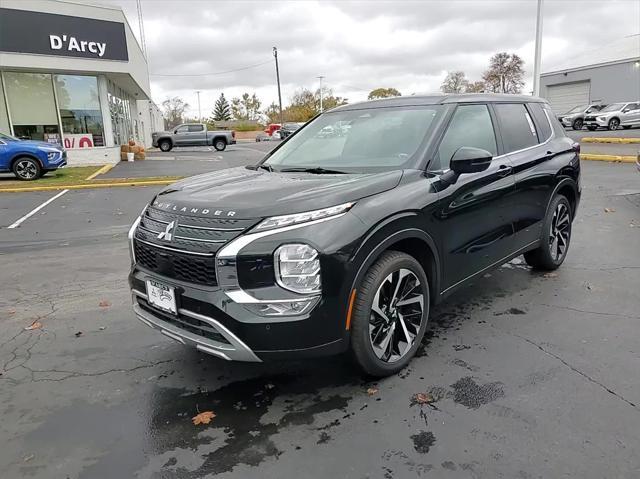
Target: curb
x: 89, y: 186
x: 624, y: 141
x: 101, y: 171
x: 615, y: 158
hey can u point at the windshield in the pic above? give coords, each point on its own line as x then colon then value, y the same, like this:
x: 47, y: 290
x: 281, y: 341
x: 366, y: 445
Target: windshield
x: 595, y: 108
x: 367, y: 140
x: 577, y: 109
x: 4, y: 137
x: 613, y: 107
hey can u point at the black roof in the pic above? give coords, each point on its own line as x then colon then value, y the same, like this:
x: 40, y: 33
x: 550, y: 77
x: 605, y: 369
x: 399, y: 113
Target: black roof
x: 414, y: 100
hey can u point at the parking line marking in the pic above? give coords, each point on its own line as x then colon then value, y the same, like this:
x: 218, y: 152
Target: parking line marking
x: 102, y: 170
x: 35, y: 210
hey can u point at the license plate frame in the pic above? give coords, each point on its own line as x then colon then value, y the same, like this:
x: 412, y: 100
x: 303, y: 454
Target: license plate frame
x: 162, y: 296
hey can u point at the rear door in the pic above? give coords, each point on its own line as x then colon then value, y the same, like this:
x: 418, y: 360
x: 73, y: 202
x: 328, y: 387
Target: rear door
x: 526, y: 135
x: 197, y: 135
x: 631, y: 114
x: 475, y: 229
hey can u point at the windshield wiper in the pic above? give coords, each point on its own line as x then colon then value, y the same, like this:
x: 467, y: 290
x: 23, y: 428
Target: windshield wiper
x: 264, y: 167
x: 317, y: 170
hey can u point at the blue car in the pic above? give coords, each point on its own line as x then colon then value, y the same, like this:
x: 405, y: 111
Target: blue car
x: 29, y: 160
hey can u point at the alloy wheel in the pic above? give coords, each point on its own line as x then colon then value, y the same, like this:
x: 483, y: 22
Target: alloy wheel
x: 396, y: 315
x: 26, y: 170
x: 560, y: 232
x: 613, y: 124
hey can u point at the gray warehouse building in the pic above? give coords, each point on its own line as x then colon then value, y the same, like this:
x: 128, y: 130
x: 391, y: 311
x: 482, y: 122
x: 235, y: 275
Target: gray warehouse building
x: 606, y: 75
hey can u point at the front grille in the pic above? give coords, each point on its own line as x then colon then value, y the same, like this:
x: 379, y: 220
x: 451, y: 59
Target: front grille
x: 182, y: 266
x: 187, y: 323
x: 590, y: 118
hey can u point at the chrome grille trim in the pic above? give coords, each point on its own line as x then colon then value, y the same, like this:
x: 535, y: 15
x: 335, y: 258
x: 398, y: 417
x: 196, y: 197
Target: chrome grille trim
x: 155, y: 245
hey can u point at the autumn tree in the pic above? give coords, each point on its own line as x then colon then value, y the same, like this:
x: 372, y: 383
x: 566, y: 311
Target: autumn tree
x: 454, y: 82
x: 222, y: 109
x: 476, y: 87
x: 305, y: 104
x: 505, y: 73
x: 246, y: 108
x: 174, y: 111
x: 383, y: 93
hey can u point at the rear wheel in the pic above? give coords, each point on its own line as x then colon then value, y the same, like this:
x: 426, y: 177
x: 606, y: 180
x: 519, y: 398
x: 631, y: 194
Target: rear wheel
x: 614, y: 124
x: 27, y: 169
x: 220, y: 144
x: 556, y: 235
x: 577, y: 124
x: 390, y: 314
x: 165, y: 145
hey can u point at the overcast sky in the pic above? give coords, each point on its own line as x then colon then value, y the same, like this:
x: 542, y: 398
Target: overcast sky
x: 357, y: 46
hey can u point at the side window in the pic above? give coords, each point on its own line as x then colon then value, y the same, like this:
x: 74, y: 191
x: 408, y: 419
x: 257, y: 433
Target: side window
x: 558, y: 129
x: 633, y: 106
x: 544, y: 129
x: 182, y: 129
x: 470, y: 126
x: 517, y: 128
x: 195, y: 128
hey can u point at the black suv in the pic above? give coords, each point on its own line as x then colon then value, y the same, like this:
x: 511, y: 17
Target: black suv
x: 343, y: 242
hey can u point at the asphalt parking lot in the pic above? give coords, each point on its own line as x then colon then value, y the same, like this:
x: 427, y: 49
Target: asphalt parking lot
x: 530, y: 375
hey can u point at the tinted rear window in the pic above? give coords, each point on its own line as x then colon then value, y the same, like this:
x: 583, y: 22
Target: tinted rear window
x: 518, y: 130
x: 544, y: 129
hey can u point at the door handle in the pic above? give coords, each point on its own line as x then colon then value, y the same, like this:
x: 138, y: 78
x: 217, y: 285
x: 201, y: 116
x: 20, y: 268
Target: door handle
x: 504, y: 170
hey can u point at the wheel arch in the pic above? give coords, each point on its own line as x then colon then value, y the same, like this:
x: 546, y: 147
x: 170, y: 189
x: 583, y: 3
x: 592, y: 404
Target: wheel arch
x: 566, y: 187
x: 219, y: 137
x: 24, y: 155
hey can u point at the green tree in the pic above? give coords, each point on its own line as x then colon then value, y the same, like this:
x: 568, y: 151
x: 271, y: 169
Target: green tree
x: 222, y: 109
x: 505, y: 73
x: 174, y: 109
x: 246, y: 108
x: 305, y: 104
x: 272, y: 113
x: 383, y: 93
x: 454, y: 82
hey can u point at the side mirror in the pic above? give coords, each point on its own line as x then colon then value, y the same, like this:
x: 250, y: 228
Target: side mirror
x: 470, y: 160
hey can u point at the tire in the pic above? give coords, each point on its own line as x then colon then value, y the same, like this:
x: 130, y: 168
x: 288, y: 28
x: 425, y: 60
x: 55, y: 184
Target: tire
x: 165, y: 145
x: 220, y: 144
x: 577, y: 124
x: 377, y: 305
x: 592, y: 128
x: 27, y: 169
x: 614, y: 124
x: 555, y: 230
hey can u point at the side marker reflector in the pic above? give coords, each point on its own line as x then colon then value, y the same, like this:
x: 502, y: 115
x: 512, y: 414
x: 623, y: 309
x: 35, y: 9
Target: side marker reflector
x: 352, y: 299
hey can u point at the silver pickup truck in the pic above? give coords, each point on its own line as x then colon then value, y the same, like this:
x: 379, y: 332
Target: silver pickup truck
x: 193, y: 134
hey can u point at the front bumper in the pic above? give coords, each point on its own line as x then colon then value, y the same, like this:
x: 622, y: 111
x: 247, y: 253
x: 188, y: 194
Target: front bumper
x: 566, y: 121
x: 596, y: 123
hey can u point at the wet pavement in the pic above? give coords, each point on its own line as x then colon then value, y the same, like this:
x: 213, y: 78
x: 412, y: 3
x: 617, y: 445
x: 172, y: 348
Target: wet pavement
x: 522, y: 375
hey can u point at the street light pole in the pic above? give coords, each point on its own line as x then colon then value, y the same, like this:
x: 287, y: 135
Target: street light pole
x: 538, y: 51
x: 321, y: 108
x: 199, y: 111
x: 275, y: 54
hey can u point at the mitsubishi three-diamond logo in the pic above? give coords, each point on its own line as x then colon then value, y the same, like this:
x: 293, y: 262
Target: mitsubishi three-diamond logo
x: 166, y: 234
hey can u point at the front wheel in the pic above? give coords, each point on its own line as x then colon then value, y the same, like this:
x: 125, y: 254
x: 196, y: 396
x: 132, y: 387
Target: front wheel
x: 390, y: 314
x: 27, y: 169
x: 577, y: 124
x: 556, y: 235
x: 220, y: 145
x: 165, y: 145
x: 614, y: 124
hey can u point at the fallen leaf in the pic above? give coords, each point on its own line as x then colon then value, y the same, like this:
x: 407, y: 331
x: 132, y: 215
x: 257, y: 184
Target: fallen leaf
x: 204, y: 417
x: 104, y: 304
x: 34, y: 325
x: 609, y: 210
x: 11, y: 311
x: 102, y: 328
x: 550, y: 275
x: 78, y: 334
x: 423, y: 398
x: 29, y: 457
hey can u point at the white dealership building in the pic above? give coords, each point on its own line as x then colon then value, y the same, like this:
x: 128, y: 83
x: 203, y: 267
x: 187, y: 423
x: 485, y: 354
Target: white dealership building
x: 74, y: 74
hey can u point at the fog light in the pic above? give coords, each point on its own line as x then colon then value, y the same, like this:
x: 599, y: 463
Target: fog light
x: 297, y: 268
x: 282, y: 308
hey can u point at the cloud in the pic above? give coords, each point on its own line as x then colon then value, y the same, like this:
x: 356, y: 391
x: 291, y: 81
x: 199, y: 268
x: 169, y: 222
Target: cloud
x: 358, y: 45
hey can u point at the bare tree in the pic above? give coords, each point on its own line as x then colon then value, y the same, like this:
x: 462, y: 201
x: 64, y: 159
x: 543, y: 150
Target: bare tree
x: 174, y: 109
x: 454, y: 82
x: 505, y: 73
x: 476, y: 87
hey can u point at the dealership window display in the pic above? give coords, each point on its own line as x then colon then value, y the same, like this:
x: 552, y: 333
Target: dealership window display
x: 4, y: 116
x: 80, y: 115
x: 32, y: 106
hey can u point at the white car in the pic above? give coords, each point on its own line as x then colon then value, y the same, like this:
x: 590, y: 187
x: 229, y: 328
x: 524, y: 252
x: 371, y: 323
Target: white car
x: 614, y: 116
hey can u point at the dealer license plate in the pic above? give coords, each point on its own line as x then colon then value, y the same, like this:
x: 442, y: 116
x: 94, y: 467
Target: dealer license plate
x: 161, y: 296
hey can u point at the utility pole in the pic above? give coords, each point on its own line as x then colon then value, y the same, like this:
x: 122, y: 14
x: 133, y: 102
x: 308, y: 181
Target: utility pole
x: 275, y: 54
x: 321, y: 108
x: 199, y: 111
x: 538, y: 51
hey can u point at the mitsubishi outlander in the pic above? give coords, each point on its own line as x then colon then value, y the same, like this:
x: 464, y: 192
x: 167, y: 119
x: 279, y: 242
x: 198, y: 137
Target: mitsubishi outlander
x: 346, y: 234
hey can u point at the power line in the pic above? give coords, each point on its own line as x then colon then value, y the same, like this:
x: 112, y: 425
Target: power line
x: 208, y: 74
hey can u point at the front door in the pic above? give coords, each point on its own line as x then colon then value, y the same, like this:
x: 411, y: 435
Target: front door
x: 475, y: 226
x: 181, y: 135
x: 630, y: 114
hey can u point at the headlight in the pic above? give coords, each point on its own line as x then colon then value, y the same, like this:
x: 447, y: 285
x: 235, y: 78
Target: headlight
x: 602, y: 118
x: 288, y: 220
x: 297, y: 268
x: 52, y: 155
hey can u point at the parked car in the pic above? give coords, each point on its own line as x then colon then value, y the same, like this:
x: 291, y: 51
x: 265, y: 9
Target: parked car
x: 574, y: 118
x: 288, y: 129
x: 29, y: 160
x: 271, y: 127
x: 193, y: 134
x: 345, y: 242
x: 614, y: 116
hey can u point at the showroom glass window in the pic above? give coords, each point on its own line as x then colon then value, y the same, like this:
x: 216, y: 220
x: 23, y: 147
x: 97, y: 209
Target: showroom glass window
x: 80, y: 114
x: 119, y: 108
x: 32, y: 106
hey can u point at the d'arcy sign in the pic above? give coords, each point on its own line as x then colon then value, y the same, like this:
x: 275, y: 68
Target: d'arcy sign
x: 23, y: 31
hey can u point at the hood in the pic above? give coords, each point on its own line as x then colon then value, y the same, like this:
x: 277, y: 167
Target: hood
x: 258, y: 193
x: 40, y: 143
